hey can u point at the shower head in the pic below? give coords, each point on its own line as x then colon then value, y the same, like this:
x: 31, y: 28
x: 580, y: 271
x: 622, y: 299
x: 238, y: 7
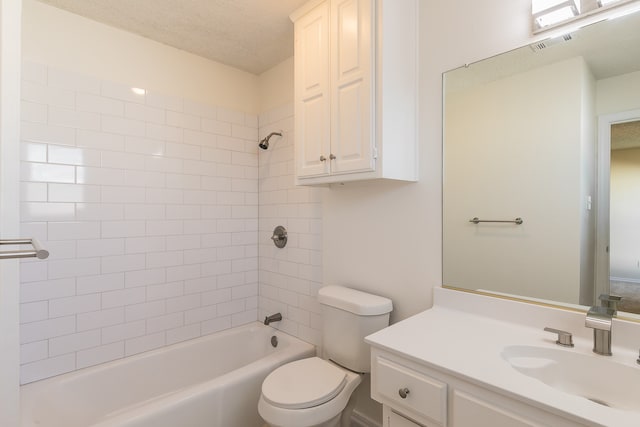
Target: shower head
x: 264, y: 144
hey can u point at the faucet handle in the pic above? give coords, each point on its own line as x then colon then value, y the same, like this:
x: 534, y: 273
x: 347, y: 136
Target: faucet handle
x: 610, y: 301
x: 565, y: 338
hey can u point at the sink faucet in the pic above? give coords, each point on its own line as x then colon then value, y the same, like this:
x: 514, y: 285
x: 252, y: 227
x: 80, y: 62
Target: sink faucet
x: 273, y: 318
x: 600, y: 319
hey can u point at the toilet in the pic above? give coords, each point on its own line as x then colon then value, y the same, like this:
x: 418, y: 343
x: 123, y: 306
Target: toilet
x: 317, y: 392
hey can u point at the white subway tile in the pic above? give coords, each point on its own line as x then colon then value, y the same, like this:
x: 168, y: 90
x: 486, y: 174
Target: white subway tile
x: 47, y: 173
x: 33, y: 152
x: 100, y: 319
x: 122, y: 298
x: 201, y: 284
x: 73, y: 267
x: 144, y: 310
x: 73, y: 342
x: 216, y: 212
x: 46, y: 290
x: 231, y: 116
x: 73, y: 230
x: 73, y: 156
x: 99, y: 176
x: 181, y: 242
x: 34, y: 311
x: 34, y: 351
x: 47, y: 368
x: 181, y: 181
x: 144, y: 343
x: 145, y: 244
x: 216, y: 297
x: 73, y: 305
x: 162, y: 323
x: 244, y: 132
x: 123, y: 126
x: 243, y: 159
x: 146, y: 211
x: 33, y: 112
x: 123, y: 331
x: 164, y: 291
x: 232, y: 144
x: 124, y: 194
x: 147, y: 146
x: 216, y: 268
x: 38, y: 132
x: 164, y: 259
x: 74, y: 119
x: 215, y: 325
x: 183, y: 272
x: 144, y: 113
x: 48, y: 95
x: 168, y: 196
x: 99, y: 283
x: 145, y: 179
x: 199, y: 109
x: 167, y: 102
x: 200, y: 314
x: 164, y: 133
x: 118, y: 263
x: 231, y: 307
x: 194, y: 137
x: 163, y: 164
x: 183, y: 334
x: 42, y: 211
x: 216, y: 127
x: 99, y: 212
x: 182, y: 151
x: 100, y: 140
x: 113, y: 229
x: 145, y: 277
x: 99, y: 104
x: 183, y: 212
x: 102, y: 354
x: 118, y: 160
x: 164, y: 228
x: 45, y: 329
x: 60, y: 249
x: 244, y: 317
x: 32, y: 192
x: 183, y: 303
x: 183, y: 121
x: 74, y: 193
x: 73, y: 81
x: 121, y: 91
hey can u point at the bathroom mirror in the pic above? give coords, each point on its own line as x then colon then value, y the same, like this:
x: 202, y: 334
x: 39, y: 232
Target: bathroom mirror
x: 528, y: 143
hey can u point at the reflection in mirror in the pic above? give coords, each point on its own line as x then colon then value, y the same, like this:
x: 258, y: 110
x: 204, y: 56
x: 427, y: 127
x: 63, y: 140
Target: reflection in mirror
x: 521, y: 140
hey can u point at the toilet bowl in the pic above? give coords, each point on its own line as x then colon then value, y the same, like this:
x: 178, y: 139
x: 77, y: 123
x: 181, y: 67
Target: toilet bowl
x: 317, y: 392
x: 307, y: 393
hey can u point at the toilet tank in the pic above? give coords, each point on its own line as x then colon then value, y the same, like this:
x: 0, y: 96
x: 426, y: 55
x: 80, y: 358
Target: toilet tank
x: 348, y: 316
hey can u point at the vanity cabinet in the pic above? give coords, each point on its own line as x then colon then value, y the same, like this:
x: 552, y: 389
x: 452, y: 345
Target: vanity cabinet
x: 355, y: 90
x: 415, y: 395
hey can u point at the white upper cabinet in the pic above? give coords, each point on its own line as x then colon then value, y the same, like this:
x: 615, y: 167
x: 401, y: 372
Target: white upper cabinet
x: 355, y: 90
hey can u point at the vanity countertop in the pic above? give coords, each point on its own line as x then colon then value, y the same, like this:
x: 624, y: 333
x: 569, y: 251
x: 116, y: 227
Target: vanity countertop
x: 456, y: 338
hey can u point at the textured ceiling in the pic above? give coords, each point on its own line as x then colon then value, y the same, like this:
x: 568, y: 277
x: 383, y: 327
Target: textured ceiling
x: 625, y: 135
x: 252, y: 35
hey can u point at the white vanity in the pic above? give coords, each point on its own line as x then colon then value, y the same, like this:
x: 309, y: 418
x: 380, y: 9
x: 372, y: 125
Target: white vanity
x: 475, y: 361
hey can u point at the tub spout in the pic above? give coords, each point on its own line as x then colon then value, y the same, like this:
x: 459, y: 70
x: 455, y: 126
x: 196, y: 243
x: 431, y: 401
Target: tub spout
x: 273, y: 318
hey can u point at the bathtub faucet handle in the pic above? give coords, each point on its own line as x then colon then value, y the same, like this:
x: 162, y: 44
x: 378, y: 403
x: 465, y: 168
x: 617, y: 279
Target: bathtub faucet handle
x: 273, y: 318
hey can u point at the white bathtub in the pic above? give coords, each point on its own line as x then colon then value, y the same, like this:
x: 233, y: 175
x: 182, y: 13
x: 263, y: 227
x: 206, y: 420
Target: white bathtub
x: 213, y: 381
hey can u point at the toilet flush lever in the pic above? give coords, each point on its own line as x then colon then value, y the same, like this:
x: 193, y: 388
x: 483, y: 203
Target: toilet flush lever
x: 565, y: 338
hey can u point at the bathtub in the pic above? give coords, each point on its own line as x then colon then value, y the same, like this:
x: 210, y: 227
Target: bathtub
x: 213, y: 381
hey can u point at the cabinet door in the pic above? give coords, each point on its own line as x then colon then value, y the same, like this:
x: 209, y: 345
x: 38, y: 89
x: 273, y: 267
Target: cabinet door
x: 312, y: 92
x: 352, y: 110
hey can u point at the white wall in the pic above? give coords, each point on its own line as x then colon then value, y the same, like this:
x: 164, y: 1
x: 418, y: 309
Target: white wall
x: 619, y: 93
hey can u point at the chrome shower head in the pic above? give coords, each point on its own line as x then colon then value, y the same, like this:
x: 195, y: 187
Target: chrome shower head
x: 264, y: 144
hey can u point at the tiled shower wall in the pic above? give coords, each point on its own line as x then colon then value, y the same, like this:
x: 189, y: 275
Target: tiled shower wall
x: 148, y: 204
x: 289, y: 277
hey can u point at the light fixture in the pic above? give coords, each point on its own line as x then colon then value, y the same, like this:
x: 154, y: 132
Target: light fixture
x: 603, y: 3
x: 138, y: 91
x: 550, y: 12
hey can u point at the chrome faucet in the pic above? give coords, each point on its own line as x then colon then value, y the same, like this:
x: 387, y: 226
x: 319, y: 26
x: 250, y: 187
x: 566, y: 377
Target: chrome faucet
x: 273, y: 318
x: 600, y: 319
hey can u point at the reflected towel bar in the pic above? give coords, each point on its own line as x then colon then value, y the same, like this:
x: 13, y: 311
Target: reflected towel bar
x: 37, y: 252
x: 477, y: 220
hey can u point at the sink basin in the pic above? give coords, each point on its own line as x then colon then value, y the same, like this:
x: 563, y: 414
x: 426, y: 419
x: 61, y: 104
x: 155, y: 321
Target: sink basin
x: 596, y: 378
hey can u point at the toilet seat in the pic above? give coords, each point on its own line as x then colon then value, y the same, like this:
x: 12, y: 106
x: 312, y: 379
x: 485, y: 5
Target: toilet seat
x: 304, y: 383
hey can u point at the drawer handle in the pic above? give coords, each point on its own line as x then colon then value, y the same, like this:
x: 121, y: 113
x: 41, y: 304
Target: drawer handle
x: 403, y: 392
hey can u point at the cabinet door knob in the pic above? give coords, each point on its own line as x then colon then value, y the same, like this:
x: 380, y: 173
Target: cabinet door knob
x: 403, y: 392
x: 332, y: 157
x: 323, y: 158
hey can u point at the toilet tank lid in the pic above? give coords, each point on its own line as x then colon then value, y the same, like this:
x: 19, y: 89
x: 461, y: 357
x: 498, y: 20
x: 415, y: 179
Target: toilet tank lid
x: 356, y: 302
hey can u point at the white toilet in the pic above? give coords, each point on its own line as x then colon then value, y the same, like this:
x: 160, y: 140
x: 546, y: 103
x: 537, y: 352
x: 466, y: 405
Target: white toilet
x: 318, y: 392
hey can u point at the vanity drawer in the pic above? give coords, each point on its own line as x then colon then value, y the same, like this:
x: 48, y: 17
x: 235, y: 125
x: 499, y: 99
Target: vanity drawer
x: 424, y: 397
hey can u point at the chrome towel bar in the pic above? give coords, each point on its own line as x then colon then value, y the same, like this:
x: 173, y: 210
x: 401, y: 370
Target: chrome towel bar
x: 477, y: 220
x: 37, y: 252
